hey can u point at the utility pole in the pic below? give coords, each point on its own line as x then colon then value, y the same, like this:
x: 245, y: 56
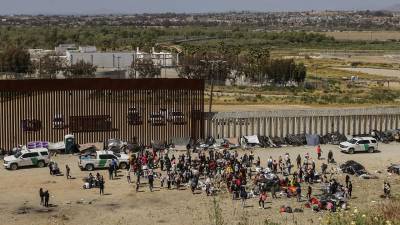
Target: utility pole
x: 212, y: 62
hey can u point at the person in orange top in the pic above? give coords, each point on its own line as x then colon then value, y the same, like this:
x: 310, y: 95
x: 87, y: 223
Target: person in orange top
x: 319, y: 152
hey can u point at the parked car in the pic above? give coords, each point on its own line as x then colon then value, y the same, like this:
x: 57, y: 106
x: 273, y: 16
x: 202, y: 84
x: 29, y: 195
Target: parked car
x: 102, y: 159
x: 134, y: 116
x: 176, y: 117
x: 156, y: 119
x: 359, y: 144
x: 58, y: 122
x: 35, y: 157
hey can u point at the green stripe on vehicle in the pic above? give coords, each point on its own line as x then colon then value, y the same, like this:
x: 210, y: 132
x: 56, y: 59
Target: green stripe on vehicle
x: 34, y: 161
x: 102, y: 163
x: 366, y: 146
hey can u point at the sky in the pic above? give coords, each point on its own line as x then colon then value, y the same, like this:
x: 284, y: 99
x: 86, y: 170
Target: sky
x: 8, y: 7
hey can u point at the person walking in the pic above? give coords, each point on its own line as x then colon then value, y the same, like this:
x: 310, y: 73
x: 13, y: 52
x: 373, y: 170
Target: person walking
x: 41, y: 195
x: 319, y: 152
x: 46, y: 198
x: 68, y: 171
x: 262, y: 199
x: 101, y: 185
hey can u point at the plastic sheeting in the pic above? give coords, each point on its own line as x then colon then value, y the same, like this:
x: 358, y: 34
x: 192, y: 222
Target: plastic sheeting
x: 252, y: 139
x: 312, y: 139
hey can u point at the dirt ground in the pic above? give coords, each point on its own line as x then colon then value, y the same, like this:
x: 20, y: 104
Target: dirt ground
x: 19, y: 201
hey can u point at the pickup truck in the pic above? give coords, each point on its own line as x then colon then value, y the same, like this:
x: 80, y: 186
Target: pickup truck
x: 102, y: 159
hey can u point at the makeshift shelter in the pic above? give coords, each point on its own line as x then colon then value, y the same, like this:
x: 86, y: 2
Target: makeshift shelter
x: 312, y: 139
x: 232, y: 142
x: 91, y: 147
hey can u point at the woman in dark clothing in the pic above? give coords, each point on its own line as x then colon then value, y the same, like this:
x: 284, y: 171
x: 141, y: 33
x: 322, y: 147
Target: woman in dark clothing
x: 41, y: 194
x: 46, y: 198
x: 101, y: 185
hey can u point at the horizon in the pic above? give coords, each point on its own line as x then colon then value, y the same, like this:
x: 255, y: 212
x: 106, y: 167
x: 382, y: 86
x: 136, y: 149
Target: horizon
x: 130, y: 7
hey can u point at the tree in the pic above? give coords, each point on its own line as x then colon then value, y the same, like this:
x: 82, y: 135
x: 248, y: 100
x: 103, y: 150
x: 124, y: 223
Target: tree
x: 145, y: 68
x: 15, y: 60
x: 80, y: 69
x: 49, y: 66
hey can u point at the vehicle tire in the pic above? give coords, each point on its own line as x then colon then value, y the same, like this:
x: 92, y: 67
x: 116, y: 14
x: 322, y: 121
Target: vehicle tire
x: 40, y: 164
x: 351, y: 150
x: 89, y: 167
x: 123, y: 166
x: 371, y: 149
x: 14, y: 166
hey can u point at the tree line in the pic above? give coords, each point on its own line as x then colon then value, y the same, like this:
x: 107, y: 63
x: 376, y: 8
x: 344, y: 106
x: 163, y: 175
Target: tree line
x: 232, y: 62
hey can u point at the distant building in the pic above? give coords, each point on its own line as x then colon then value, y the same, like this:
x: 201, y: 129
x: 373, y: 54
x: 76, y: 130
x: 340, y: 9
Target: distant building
x: 120, y: 60
x: 63, y: 48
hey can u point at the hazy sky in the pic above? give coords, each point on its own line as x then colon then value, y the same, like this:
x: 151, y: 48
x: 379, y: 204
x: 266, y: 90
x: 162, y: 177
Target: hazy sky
x: 142, y: 6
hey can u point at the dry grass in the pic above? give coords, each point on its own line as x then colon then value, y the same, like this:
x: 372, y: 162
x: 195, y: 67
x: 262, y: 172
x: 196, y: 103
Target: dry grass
x: 365, y: 35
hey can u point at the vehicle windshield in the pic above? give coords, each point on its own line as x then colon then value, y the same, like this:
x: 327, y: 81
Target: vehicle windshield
x: 118, y: 155
x: 17, y: 155
x: 353, y: 141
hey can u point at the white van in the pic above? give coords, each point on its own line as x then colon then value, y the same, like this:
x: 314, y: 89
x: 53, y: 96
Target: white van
x: 359, y: 144
x: 35, y: 157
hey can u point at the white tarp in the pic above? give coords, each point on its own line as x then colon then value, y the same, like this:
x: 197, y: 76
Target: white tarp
x: 57, y: 145
x: 252, y: 139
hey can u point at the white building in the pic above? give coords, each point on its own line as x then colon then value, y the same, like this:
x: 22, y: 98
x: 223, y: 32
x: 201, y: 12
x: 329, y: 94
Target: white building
x: 120, y: 60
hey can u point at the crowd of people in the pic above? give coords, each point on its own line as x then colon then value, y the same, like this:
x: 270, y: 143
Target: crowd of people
x: 243, y: 176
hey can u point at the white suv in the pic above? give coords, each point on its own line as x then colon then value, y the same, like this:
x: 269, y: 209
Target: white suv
x: 359, y: 144
x: 35, y: 157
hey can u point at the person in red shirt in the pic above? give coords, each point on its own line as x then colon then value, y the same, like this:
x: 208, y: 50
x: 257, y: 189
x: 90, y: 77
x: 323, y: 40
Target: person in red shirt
x: 262, y: 199
x: 319, y: 152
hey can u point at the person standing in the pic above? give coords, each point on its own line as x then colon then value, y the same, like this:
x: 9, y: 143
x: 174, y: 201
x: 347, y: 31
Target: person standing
x: 243, y: 195
x: 41, y: 194
x: 298, y: 192
x: 101, y: 185
x: 46, y: 198
x: 150, y: 176
x: 298, y: 161
x: 350, y: 188
x: 347, y: 180
x: 128, y: 175
x: 262, y: 199
x: 309, y: 192
x: 386, y: 189
x: 68, y: 171
x: 319, y: 152
x: 110, y: 171
x: 330, y: 156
